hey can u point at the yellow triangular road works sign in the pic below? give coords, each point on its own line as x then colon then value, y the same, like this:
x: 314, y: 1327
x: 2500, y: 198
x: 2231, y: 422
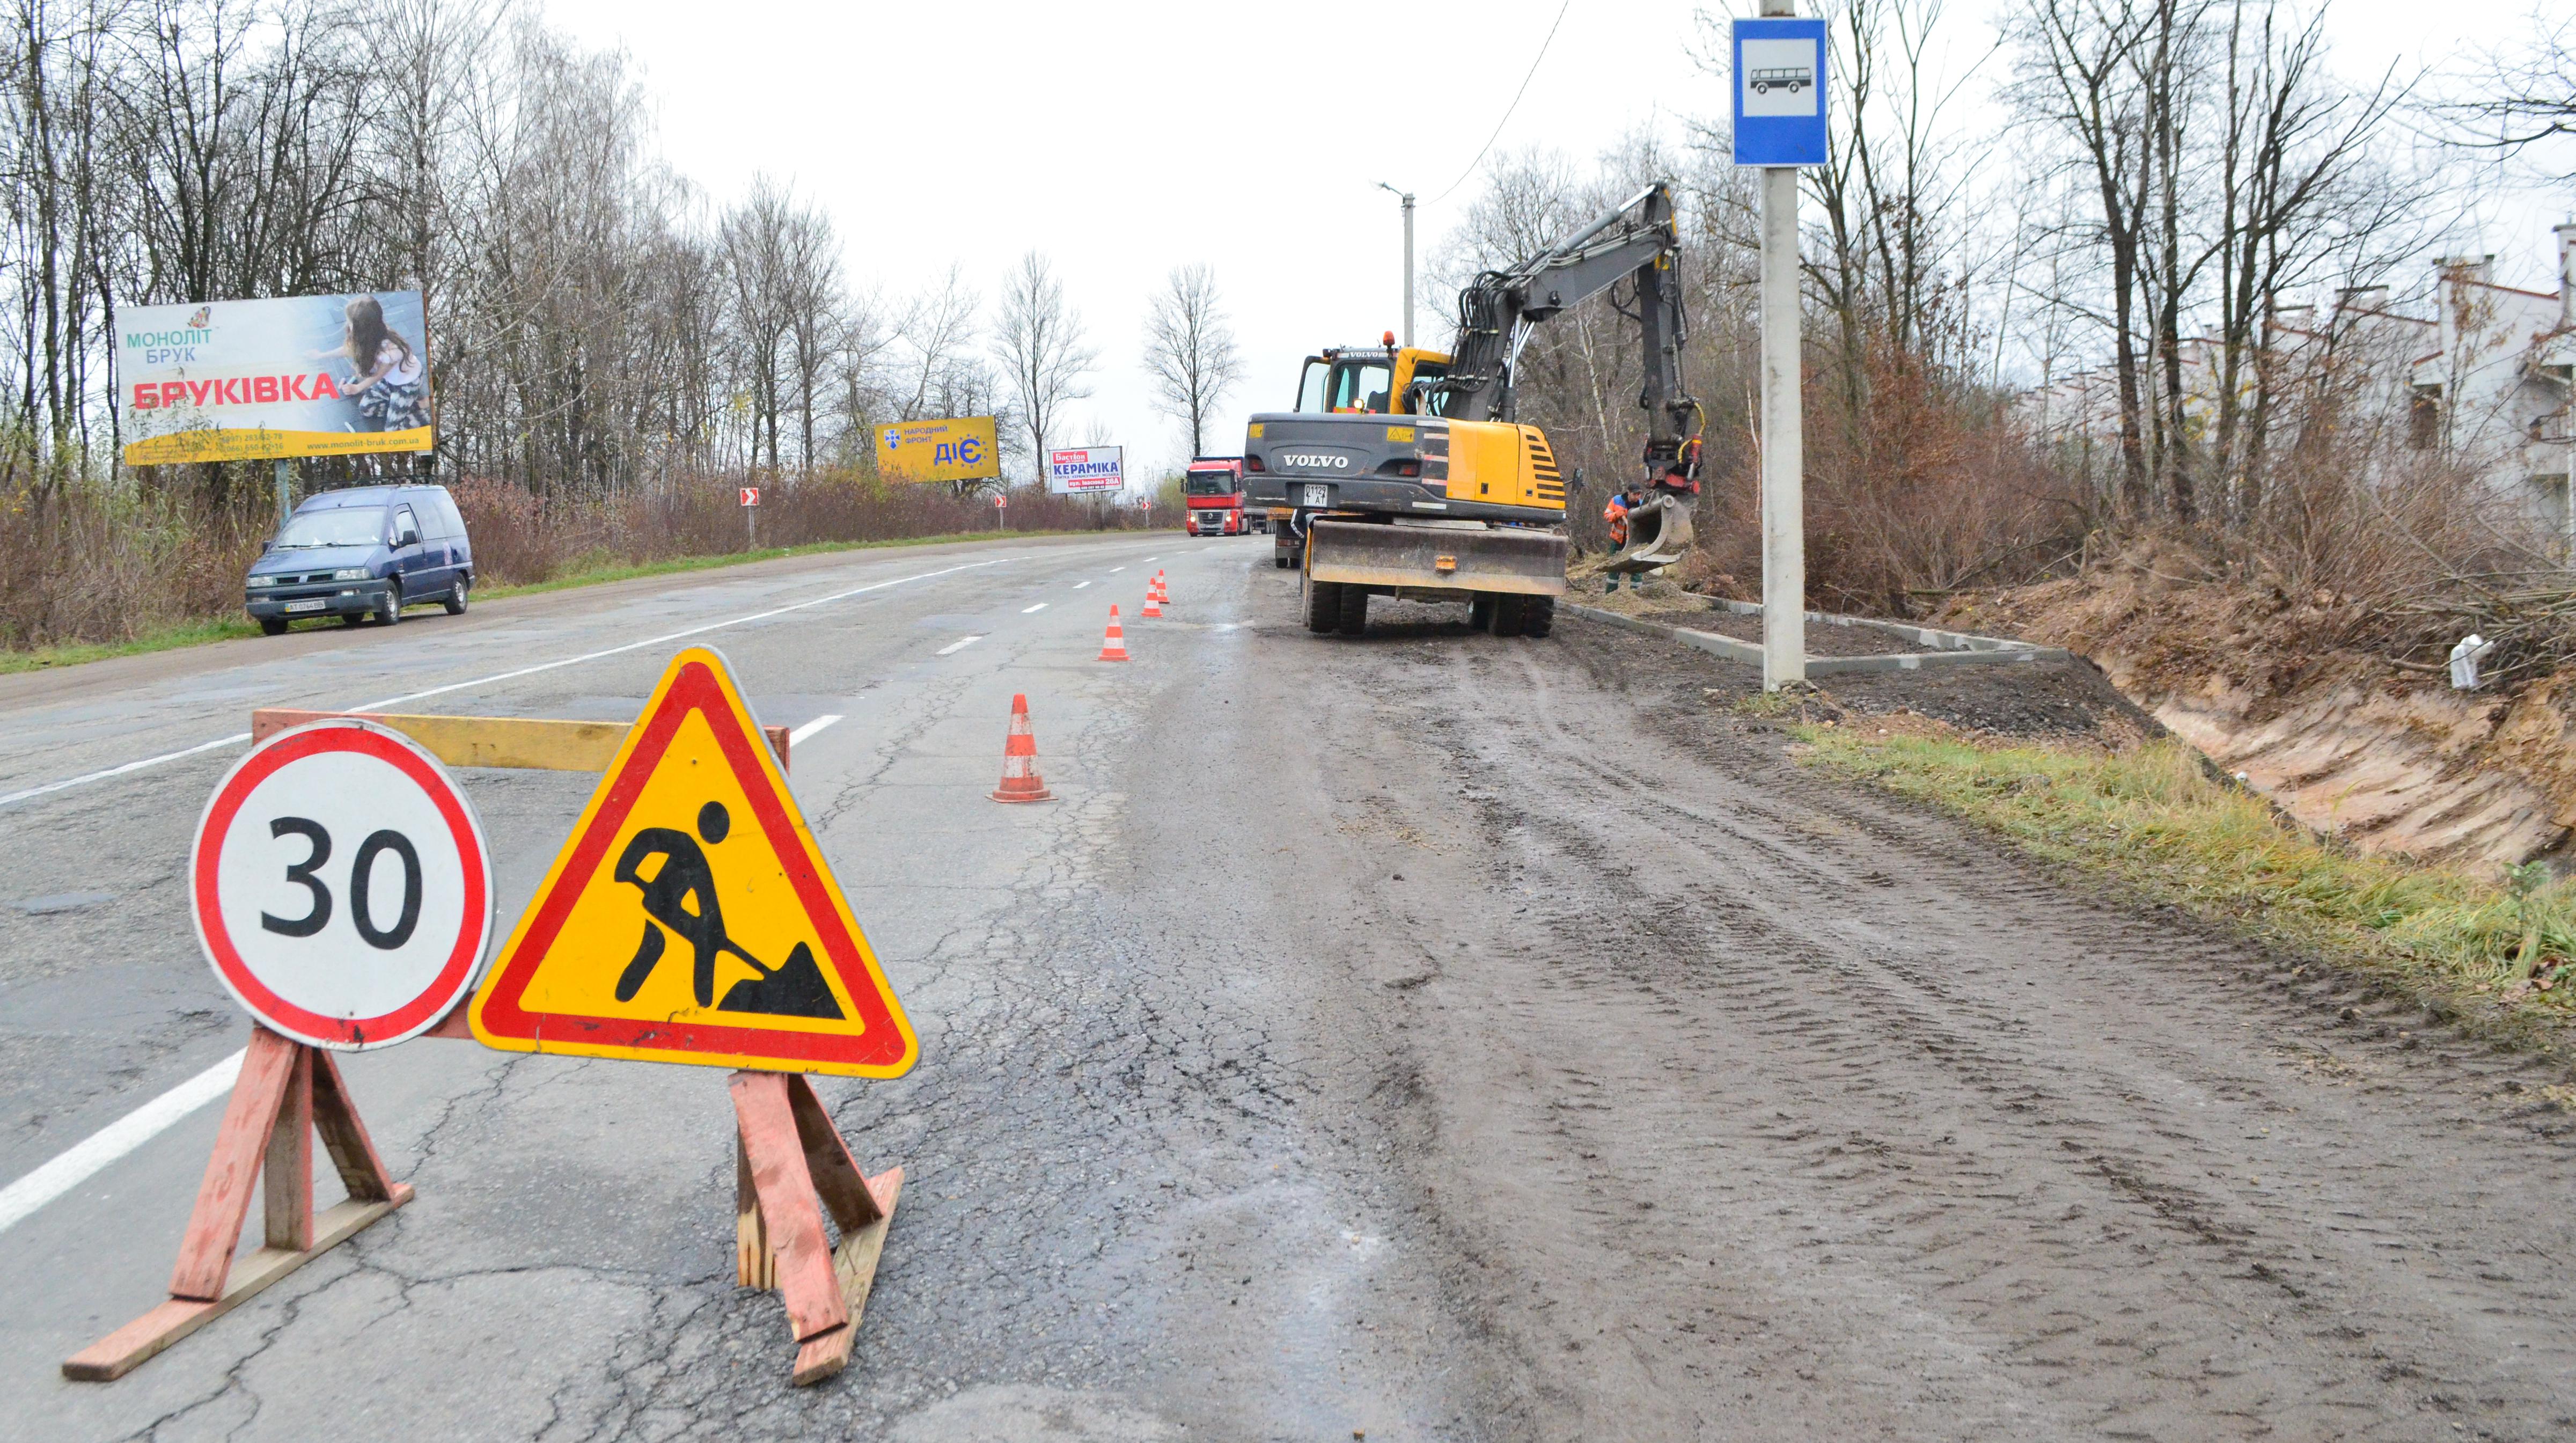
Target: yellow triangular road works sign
x: 691, y: 917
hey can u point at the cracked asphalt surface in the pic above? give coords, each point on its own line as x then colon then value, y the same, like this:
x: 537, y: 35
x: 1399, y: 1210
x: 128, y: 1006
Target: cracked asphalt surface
x: 1425, y: 1035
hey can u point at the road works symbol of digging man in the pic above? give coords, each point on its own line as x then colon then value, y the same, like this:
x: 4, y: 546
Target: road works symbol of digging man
x: 679, y: 887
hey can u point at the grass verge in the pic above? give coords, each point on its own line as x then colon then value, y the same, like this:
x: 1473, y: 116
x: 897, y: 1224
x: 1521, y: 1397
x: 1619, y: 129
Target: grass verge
x: 594, y: 573
x: 2154, y: 820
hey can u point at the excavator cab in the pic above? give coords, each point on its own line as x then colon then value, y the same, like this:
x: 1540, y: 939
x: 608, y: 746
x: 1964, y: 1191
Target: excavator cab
x: 1381, y: 380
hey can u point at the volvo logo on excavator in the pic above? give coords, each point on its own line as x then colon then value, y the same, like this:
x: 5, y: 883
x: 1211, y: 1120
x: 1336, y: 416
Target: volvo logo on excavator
x: 1314, y: 460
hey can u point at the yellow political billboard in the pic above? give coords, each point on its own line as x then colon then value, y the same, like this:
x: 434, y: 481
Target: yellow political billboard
x: 958, y: 449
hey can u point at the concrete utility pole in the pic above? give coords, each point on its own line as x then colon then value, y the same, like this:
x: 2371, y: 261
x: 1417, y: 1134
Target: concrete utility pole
x: 1784, y: 520
x: 1407, y: 198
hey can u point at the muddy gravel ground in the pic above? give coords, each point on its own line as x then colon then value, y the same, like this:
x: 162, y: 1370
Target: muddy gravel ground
x: 1734, y: 1103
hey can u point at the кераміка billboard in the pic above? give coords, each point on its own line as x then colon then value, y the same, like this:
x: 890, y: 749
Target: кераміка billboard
x: 958, y: 449
x: 1086, y: 471
x: 295, y: 376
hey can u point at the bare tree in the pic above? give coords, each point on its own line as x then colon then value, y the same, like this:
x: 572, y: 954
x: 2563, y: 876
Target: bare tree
x: 1039, y: 342
x: 1189, y: 350
x: 2521, y: 98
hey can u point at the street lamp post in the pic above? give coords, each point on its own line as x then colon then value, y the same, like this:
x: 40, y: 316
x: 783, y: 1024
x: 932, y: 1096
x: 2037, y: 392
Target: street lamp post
x: 1407, y: 198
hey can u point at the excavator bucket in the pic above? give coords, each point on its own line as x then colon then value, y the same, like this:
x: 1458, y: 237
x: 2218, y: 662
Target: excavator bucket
x: 1659, y: 531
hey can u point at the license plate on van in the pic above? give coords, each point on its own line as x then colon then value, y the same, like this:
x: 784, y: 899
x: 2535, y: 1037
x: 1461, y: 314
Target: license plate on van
x: 1319, y: 495
x: 315, y: 604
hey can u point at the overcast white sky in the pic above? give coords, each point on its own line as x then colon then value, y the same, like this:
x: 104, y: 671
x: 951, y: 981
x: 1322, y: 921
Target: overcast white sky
x: 1125, y: 138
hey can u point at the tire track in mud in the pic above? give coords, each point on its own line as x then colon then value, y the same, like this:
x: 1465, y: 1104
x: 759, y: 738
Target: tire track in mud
x: 1774, y: 1108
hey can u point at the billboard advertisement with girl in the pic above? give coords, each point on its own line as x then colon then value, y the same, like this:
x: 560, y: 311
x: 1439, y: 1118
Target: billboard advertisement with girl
x: 298, y: 376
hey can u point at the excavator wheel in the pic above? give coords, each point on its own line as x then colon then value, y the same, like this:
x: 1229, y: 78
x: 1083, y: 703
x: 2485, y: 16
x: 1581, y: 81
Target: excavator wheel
x: 1509, y: 614
x: 1354, y: 618
x: 1480, y: 611
x: 1538, y: 615
x: 1323, y: 606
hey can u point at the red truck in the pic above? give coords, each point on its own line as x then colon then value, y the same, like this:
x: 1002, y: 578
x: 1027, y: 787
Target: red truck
x: 1212, y: 489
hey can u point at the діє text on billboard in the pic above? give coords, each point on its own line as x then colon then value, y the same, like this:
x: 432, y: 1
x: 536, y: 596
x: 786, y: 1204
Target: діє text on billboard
x: 296, y: 376
x: 1091, y: 469
x: 959, y: 449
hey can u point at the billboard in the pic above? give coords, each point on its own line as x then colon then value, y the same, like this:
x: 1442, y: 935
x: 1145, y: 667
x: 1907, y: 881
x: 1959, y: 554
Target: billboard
x: 960, y: 449
x: 1088, y: 471
x: 296, y: 376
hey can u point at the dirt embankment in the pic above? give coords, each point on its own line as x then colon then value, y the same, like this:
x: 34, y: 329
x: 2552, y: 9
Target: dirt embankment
x: 2389, y: 758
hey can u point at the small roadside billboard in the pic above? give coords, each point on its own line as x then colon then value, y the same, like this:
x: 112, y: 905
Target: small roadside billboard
x: 959, y: 448
x: 1087, y: 471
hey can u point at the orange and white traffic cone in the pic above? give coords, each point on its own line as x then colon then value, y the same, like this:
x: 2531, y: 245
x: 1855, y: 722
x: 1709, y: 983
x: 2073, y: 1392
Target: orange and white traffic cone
x: 1113, y: 647
x: 1150, y: 608
x: 1020, y: 779
x: 1162, y: 589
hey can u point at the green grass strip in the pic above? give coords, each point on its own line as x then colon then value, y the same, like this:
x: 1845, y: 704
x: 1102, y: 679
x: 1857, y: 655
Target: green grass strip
x: 2157, y: 821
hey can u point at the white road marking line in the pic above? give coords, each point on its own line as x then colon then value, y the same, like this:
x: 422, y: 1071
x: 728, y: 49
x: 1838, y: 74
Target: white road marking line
x: 20, y: 1199
x: 1151, y: 559
x: 86, y: 778
x: 1080, y: 584
x: 1032, y: 610
x: 1116, y: 569
x: 957, y: 646
x: 797, y: 737
x: 239, y: 737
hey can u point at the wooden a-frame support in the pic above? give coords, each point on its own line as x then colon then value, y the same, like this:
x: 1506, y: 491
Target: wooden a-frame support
x: 790, y: 1166
x: 287, y: 1090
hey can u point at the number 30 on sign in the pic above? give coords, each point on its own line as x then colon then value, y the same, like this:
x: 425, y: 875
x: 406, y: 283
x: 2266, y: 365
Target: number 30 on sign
x: 341, y: 886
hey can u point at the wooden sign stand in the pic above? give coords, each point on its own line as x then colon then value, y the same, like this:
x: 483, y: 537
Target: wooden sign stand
x: 790, y: 1166
x: 287, y: 1090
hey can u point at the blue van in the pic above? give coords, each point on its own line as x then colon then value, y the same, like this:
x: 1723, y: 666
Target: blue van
x: 370, y: 551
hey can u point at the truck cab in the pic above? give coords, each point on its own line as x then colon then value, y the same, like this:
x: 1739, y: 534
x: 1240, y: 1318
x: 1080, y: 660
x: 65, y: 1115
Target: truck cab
x: 1212, y: 490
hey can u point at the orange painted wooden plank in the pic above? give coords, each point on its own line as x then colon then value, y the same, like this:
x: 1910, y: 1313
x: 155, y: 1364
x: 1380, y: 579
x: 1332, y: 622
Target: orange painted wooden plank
x: 788, y: 1206
x: 362, y: 1169
x: 496, y: 741
x: 286, y: 1184
x: 837, y: 1180
x: 223, y: 1199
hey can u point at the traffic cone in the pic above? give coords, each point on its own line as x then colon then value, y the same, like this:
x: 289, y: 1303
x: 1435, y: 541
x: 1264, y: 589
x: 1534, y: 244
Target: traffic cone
x: 1150, y: 609
x: 1113, y: 647
x: 1020, y: 779
x: 1162, y: 589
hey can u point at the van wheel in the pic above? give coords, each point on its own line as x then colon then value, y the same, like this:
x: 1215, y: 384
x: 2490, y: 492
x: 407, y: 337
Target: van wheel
x: 1538, y: 616
x: 391, y: 611
x: 1480, y: 611
x: 456, y: 597
x: 272, y: 626
x: 1354, y: 618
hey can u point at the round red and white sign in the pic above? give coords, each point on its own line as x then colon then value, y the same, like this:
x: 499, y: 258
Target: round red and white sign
x: 341, y: 886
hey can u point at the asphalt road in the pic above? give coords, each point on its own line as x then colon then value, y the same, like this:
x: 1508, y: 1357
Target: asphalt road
x: 1430, y: 1035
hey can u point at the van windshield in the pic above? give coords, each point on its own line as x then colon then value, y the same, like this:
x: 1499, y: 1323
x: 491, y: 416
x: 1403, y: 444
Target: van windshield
x: 341, y: 526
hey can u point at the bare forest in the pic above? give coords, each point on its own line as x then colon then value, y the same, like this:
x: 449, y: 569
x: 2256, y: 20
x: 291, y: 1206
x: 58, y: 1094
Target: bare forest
x: 612, y: 353
x: 2077, y: 270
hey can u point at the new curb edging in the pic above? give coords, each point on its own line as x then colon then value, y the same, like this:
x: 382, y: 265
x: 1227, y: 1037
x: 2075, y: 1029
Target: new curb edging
x: 1957, y: 648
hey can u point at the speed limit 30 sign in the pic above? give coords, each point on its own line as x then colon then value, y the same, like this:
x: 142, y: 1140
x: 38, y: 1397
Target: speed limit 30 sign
x: 341, y: 886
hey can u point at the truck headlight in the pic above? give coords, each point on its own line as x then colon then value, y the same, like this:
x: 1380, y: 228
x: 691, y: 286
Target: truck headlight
x: 350, y: 573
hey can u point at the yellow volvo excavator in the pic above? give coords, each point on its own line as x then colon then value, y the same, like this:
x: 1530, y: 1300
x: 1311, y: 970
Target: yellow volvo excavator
x: 1403, y: 472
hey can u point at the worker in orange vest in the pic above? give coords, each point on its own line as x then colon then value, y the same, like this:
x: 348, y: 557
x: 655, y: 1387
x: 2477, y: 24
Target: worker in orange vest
x: 1616, y: 513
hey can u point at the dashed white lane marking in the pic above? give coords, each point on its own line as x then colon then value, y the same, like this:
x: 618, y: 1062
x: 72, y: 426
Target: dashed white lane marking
x: 1150, y: 560
x: 1031, y: 610
x: 1116, y: 569
x: 20, y: 1199
x: 954, y: 646
x: 797, y: 737
x: 236, y: 738
x: 1080, y: 584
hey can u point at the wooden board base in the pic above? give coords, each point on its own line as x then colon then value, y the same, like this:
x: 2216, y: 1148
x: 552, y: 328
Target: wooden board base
x: 126, y: 1349
x: 854, y: 1266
